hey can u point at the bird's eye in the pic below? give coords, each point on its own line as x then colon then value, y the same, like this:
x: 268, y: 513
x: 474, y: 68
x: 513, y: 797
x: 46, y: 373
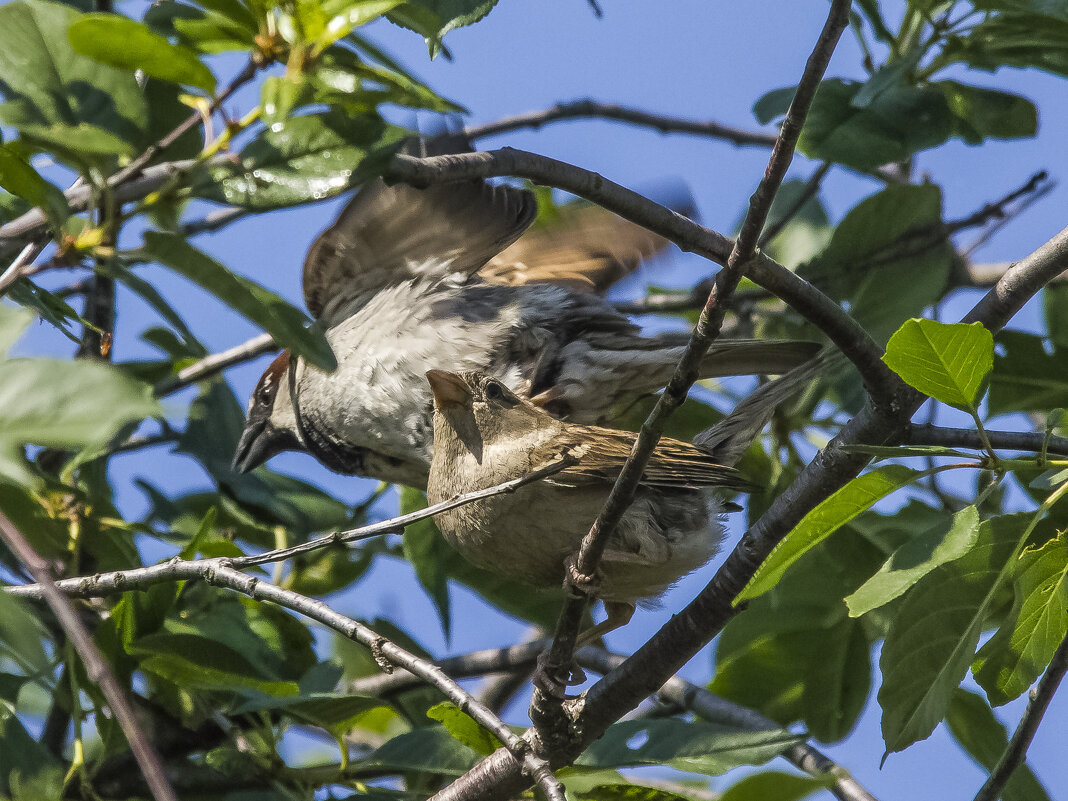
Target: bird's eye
x: 494, y: 391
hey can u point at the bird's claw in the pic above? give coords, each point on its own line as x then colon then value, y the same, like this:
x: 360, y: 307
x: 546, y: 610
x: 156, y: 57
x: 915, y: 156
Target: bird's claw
x: 575, y: 581
x: 554, y: 681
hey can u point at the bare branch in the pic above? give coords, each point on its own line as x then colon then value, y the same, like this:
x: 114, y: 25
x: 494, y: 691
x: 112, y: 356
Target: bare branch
x: 587, y: 109
x: 1025, y: 732
x: 214, y: 220
x: 15, y: 270
x: 96, y: 667
x: 969, y: 438
x: 215, y: 363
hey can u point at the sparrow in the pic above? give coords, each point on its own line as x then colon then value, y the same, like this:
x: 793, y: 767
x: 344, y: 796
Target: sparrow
x: 485, y: 434
x: 407, y: 280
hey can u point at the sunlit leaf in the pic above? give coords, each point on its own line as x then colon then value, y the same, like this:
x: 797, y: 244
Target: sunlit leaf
x: 1017, y: 655
x: 949, y: 362
x: 914, y: 560
x: 464, y: 728
x: 837, y: 510
x: 19, y: 178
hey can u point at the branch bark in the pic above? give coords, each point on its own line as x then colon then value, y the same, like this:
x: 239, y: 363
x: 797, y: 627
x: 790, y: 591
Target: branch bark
x: 969, y: 438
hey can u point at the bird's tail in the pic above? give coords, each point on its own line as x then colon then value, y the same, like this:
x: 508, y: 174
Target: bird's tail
x: 728, y: 439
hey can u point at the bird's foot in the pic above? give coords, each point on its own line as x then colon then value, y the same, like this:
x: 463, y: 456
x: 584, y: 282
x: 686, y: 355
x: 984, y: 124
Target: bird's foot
x: 553, y: 680
x: 578, y: 583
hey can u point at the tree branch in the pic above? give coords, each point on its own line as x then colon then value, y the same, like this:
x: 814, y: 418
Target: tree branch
x: 1025, y: 732
x: 969, y: 438
x: 96, y: 667
x: 586, y: 109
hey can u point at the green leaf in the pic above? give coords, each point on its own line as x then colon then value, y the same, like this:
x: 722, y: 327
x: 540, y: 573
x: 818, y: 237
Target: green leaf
x: 1018, y: 654
x: 425, y: 750
x: 773, y: 104
x: 932, y: 638
x: 283, y: 321
x: 464, y: 728
x: 1027, y: 377
x: 888, y: 258
x: 1021, y: 36
x: 22, y: 636
x: 1055, y: 312
x: 338, y: 713
x: 48, y: 84
x: 12, y: 323
x: 900, y: 121
x: 626, y: 792
x: 310, y: 157
x: 345, y: 15
x: 773, y: 785
x: 206, y: 31
x: 691, y: 746
x: 435, y: 18
x: 190, y: 674
x: 63, y: 404
x: 987, y: 113
x: 974, y: 726
x: 795, y: 654
x: 949, y: 362
x: 23, y: 759
x: 837, y: 510
x: 129, y: 45
x: 19, y: 178
x: 914, y: 560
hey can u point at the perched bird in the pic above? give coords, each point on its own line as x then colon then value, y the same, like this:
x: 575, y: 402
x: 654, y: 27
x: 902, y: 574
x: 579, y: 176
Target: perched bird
x: 484, y: 435
x: 408, y: 279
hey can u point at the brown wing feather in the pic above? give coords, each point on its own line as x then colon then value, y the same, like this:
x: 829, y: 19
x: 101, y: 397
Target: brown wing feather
x: 387, y: 234
x: 674, y: 463
x: 587, y: 249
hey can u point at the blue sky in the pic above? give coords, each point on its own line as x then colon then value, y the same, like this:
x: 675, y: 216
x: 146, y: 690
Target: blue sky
x: 705, y: 60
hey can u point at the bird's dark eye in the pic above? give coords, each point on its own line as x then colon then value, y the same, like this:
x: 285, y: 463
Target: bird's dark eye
x: 494, y: 391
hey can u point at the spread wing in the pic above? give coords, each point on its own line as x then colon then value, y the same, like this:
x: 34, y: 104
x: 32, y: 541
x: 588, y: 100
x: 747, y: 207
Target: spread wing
x: 586, y: 249
x: 674, y: 463
x: 387, y: 234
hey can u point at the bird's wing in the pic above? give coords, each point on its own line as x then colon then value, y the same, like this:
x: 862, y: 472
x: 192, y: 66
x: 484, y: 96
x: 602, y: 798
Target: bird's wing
x: 388, y: 234
x: 600, y: 458
x: 586, y: 249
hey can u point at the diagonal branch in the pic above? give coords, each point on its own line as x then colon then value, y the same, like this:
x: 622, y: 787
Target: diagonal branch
x: 216, y: 363
x: 96, y: 667
x: 1016, y: 751
x: 587, y: 109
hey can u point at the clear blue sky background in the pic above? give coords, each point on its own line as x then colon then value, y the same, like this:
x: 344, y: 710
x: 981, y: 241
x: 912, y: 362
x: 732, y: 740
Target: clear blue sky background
x: 705, y: 60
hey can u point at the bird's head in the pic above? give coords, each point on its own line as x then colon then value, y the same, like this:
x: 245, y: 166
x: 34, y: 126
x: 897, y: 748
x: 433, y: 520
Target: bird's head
x: 271, y: 424
x: 476, y: 403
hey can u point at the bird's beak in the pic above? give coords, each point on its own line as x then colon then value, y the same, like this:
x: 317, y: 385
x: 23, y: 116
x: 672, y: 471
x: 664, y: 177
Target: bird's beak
x: 449, y: 389
x: 259, y: 442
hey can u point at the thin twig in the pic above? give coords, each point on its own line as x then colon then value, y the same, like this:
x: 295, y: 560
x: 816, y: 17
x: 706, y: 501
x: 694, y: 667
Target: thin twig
x: 1016, y: 751
x: 96, y: 667
x: 585, y: 109
x: 213, y: 221
x: 215, y: 363
x: 969, y: 438
x: 222, y: 573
